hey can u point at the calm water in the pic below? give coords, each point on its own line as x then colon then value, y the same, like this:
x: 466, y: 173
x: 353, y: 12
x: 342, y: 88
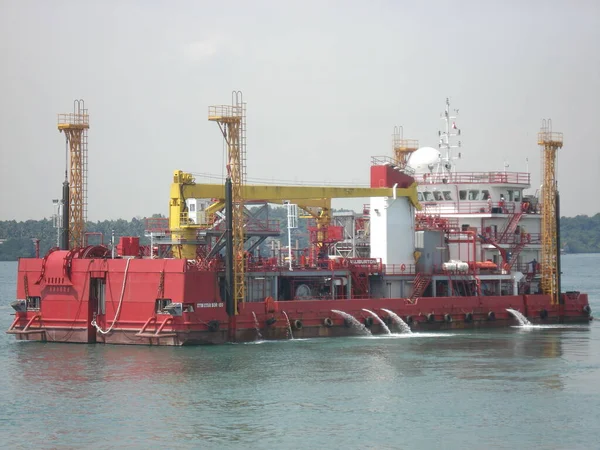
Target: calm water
x: 512, y: 388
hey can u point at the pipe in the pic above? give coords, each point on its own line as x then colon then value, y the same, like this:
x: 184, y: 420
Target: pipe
x: 561, y: 300
x: 64, y: 235
x: 230, y: 305
x: 394, y: 196
x: 112, y: 244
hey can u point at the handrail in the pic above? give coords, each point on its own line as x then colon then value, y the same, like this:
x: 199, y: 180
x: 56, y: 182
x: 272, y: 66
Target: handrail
x: 399, y: 269
x: 475, y: 177
x: 73, y: 119
x: 469, y: 207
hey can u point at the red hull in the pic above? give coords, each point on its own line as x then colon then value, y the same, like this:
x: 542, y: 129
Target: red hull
x: 69, y: 302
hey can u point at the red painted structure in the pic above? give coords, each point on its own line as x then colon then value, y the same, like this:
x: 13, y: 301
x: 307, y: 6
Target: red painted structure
x: 83, y: 295
x: 173, y: 302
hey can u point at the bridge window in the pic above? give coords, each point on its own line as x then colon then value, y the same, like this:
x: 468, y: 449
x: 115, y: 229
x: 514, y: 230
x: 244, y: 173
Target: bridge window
x: 485, y: 194
x: 420, y: 196
x: 192, y: 207
x: 473, y: 195
x: 447, y: 195
x: 517, y: 196
x: 438, y: 196
x: 428, y: 196
x: 462, y: 195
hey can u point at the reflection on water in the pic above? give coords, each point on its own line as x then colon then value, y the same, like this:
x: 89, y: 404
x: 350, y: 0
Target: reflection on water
x: 526, y: 387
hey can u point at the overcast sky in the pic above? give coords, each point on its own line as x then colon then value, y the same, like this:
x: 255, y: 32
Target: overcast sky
x: 325, y: 83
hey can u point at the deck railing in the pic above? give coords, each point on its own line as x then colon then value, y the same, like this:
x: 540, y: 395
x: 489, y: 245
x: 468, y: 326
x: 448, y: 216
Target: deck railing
x: 475, y: 178
x: 470, y: 207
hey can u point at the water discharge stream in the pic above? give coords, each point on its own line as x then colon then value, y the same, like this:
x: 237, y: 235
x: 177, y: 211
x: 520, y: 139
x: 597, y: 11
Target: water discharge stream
x: 257, y: 328
x: 290, y: 334
x: 520, y: 317
x: 398, y: 321
x: 378, y: 319
x: 355, y: 324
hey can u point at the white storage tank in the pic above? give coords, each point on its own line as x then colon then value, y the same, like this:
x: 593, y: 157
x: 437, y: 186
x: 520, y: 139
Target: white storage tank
x: 392, y: 230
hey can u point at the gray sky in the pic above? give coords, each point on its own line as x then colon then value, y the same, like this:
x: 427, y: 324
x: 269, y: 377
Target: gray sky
x: 325, y: 83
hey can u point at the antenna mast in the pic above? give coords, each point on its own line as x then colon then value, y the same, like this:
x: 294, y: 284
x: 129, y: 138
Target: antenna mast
x: 450, y: 131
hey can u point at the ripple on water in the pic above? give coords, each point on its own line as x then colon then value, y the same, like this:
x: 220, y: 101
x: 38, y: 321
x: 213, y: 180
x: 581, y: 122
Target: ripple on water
x: 526, y: 388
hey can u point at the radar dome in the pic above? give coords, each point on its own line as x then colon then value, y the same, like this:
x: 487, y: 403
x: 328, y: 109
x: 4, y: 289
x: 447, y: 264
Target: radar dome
x: 422, y: 158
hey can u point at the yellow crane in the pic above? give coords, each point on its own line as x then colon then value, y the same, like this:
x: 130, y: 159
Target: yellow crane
x: 75, y: 125
x: 549, y: 142
x: 308, y: 198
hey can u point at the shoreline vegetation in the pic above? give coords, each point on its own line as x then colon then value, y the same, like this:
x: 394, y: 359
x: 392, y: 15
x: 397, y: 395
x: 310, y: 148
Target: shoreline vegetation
x: 579, y: 234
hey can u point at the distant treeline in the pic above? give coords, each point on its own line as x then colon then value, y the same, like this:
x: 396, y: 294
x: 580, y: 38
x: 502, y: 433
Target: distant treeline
x: 18, y: 236
x: 580, y: 234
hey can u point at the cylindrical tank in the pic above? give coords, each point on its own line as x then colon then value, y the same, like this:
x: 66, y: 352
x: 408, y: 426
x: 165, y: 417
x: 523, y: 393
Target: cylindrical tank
x: 455, y: 266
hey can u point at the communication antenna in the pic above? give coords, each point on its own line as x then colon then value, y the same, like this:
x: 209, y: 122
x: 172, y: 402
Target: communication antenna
x: 447, y: 139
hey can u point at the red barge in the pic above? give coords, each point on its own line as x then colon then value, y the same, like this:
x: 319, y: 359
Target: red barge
x: 435, y: 249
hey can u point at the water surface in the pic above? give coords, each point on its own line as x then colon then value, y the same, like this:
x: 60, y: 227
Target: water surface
x: 509, y: 388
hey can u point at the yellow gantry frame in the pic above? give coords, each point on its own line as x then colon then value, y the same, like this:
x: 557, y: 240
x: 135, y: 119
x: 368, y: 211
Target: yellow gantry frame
x: 307, y: 197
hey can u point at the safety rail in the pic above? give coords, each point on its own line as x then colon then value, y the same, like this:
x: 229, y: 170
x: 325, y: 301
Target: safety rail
x: 224, y: 111
x: 253, y: 225
x: 87, y: 235
x: 475, y: 177
x: 405, y: 144
x: 526, y: 238
x: 469, y: 207
x: 392, y: 162
x: 424, y: 221
x: 529, y: 267
x: 399, y: 269
x: 383, y: 160
x: 74, y: 119
x: 157, y: 224
x: 549, y: 137
x: 274, y: 265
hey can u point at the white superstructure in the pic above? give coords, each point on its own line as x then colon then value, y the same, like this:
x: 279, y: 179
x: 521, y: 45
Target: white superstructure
x: 492, y: 206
